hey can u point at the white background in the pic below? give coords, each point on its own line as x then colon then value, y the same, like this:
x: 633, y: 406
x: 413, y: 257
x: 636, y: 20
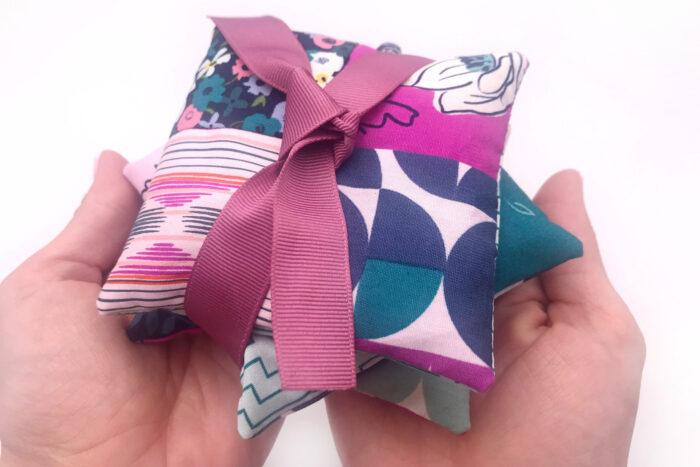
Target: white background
x: 612, y: 90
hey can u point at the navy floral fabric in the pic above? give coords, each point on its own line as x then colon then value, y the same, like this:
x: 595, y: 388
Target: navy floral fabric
x: 159, y: 324
x: 226, y: 94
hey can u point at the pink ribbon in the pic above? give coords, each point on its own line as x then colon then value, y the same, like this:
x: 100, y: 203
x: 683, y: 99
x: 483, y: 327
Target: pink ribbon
x: 284, y: 229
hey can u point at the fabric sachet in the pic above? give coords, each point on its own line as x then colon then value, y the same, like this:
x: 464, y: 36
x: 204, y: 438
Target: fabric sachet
x: 402, y: 241
x: 419, y: 223
x: 420, y: 198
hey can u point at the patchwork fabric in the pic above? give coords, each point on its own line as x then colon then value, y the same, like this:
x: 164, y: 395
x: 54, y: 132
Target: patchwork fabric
x: 406, y: 232
x: 262, y: 399
x: 263, y: 402
x: 457, y: 108
x: 226, y: 94
x: 421, y: 236
x: 528, y: 242
x: 196, y: 175
x: 430, y: 396
x: 421, y: 228
x: 524, y: 232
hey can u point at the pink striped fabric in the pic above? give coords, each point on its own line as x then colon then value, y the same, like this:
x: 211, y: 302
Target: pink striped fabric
x: 285, y: 228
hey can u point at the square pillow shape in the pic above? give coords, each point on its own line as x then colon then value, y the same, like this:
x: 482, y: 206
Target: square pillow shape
x: 419, y: 196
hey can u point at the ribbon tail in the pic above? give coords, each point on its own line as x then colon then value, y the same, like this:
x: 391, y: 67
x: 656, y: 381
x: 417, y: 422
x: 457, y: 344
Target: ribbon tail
x: 312, y: 303
x: 231, y: 275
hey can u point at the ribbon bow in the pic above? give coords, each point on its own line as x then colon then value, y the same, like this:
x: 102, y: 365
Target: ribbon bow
x: 284, y: 229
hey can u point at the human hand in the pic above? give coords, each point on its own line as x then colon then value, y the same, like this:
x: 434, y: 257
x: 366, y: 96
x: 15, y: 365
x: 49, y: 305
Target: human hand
x: 569, y: 359
x: 75, y: 391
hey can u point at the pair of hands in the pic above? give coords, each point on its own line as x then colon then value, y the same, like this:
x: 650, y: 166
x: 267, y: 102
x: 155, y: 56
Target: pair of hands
x: 75, y: 391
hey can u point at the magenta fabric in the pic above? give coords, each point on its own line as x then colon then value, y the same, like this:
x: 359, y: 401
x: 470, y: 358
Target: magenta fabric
x: 284, y: 229
x: 478, y: 378
x: 436, y: 133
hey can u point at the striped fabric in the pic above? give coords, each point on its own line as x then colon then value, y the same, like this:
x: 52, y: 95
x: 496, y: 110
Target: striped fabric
x: 197, y: 174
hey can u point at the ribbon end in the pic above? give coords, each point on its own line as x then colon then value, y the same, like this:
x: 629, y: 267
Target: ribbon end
x: 317, y: 380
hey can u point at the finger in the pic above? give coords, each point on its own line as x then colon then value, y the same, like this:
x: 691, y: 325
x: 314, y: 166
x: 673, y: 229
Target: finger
x: 529, y: 291
x: 369, y: 431
x: 356, y: 422
x: 96, y: 234
x: 581, y: 281
x: 519, y: 319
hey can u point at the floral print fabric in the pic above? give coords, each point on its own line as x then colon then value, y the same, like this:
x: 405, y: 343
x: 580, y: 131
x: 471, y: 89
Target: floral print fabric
x: 226, y: 94
x: 457, y: 108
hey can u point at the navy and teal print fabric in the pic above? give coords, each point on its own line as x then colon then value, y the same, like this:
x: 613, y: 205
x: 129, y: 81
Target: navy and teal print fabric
x: 421, y: 236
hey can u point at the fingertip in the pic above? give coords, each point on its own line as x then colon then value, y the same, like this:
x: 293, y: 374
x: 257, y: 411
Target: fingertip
x: 104, y: 217
x: 561, y: 198
x: 109, y: 175
x: 571, y: 174
x: 566, y: 184
x: 109, y: 162
x: 109, y: 154
x: 573, y: 179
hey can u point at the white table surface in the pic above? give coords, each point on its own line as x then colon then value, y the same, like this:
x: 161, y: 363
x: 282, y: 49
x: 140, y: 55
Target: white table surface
x: 612, y: 90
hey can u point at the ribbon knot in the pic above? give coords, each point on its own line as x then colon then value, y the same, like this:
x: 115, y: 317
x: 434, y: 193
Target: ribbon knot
x: 312, y: 115
x: 348, y: 124
x: 284, y: 229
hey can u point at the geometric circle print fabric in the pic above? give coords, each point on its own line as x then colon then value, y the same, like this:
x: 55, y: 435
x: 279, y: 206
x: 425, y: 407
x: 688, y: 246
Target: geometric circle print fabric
x: 423, y: 239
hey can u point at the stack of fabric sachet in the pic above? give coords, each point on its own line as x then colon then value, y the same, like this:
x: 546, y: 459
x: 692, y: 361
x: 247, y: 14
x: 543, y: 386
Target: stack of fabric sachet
x: 336, y: 217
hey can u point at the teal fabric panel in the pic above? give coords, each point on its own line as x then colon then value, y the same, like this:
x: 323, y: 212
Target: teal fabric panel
x: 390, y: 296
x: 528, y: 242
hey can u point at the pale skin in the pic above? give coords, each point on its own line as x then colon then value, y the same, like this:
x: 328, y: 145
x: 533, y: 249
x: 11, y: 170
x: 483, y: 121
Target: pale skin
x: 75, y: 391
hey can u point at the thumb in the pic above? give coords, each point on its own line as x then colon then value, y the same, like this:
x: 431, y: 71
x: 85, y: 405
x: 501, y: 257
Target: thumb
x: 581, y: 281
x: 96, y: 234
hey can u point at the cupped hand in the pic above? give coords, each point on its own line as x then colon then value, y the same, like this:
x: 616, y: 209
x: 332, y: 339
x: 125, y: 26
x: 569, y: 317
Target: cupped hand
x: 75, y: 391
x: 569, y: 359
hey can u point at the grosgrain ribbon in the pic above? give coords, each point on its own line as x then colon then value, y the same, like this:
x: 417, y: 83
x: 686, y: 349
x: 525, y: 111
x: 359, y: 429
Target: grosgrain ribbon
x: 284, y: 229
